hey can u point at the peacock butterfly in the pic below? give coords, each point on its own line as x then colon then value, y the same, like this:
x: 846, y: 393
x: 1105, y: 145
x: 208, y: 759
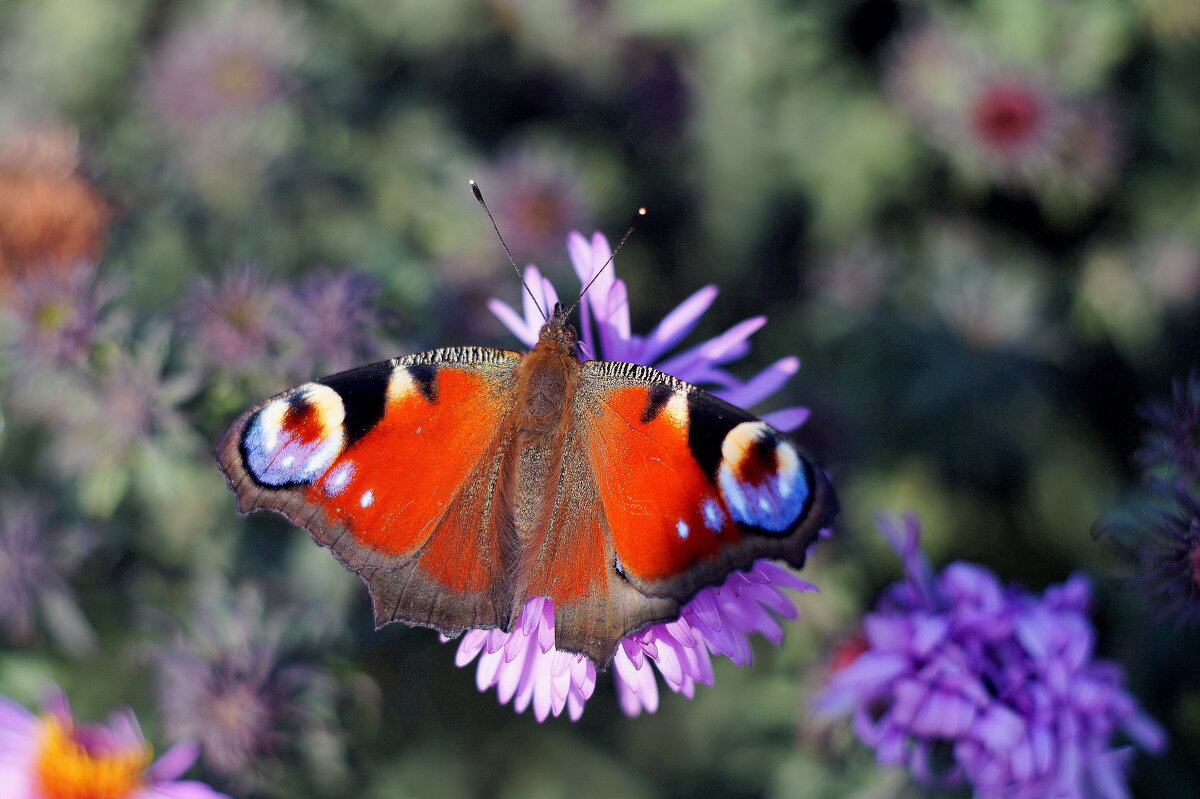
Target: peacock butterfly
x: 459, y: 483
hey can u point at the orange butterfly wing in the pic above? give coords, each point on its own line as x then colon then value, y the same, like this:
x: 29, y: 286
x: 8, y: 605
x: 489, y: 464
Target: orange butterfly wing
x: 692, y: 487
x: 376, y: 462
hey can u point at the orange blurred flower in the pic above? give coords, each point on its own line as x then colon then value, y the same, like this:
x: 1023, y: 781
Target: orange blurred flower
x: 50, y: 215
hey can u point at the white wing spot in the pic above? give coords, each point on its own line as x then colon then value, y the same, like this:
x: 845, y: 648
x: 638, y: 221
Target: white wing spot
x: 682, y: 528
x: 341, y: 476
x: 367, y: 498
x: 288, y: 461
x: 714, y: 519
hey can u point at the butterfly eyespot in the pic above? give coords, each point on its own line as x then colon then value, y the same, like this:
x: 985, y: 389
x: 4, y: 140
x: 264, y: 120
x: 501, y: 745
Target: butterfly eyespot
x: 762, y: 478
x: 294, y: 438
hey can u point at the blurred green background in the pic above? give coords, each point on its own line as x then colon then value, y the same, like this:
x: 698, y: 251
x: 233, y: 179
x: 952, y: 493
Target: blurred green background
x: 978, y: 223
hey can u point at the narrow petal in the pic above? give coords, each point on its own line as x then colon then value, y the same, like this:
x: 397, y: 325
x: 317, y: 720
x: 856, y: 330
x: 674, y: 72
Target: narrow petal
x: 787, y: 419
x: 764, y: 384
x: 677, y: 324
x: 174, y: 762
x: 179, y: 790
x: 513, y: 321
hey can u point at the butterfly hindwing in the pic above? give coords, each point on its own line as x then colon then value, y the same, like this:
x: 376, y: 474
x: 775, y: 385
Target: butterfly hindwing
x: 692, y: 487
x: 376, y: 461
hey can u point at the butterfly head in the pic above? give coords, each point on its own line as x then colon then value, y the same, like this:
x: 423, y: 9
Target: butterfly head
x: 557, y: 331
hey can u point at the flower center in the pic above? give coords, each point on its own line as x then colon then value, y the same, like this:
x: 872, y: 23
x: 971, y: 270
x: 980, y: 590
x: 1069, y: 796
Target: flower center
x: 541, y: 212
x: 242, y: 80
x: 67, y: 769
x: 1006, y: 116
x: 53, y: 315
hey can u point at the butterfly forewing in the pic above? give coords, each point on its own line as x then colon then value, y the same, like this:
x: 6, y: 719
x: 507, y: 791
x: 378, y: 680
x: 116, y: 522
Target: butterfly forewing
x: 394, y: 467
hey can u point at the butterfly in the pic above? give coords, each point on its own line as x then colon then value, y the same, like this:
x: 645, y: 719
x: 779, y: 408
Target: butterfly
x: 459, y: 483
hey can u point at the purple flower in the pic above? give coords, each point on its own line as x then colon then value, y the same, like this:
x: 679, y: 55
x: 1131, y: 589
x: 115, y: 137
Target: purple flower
x: 1160, y: 540
x: 227, y: 64
x: 964, y: 680
x: 328, y: 319
x: 219, y: 88
x: 233, y: 324
x: 129, y: 404
x: 1173, y: 441
x: 523, y: 665
x: 231, y: 681
x: 53, y: 315
x: 36, y: 563
x: 51, y: 755
x: 539, y: 197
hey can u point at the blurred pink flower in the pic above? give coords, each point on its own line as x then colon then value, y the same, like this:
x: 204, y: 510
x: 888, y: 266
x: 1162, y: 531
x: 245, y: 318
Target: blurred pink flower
x: 221, y: 65
x: 52, y: 756
x: 538, y: 198
x: 1015, y: 127
x: 235, y: 322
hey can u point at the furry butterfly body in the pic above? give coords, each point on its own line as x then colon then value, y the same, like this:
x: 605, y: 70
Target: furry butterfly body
x: 459, y: 483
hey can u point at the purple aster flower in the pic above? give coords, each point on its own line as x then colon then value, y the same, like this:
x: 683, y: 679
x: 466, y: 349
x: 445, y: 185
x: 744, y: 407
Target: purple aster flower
x: 964, y: 680
x: 234, y: 323
x: 37, y: 561
x: 53, y: 756
x: 226, y: 64
x: 539, y: 197
x: 232, y: 681
x: 1161, y: 545
x: 1173, y: 441
x: 53, y: 315
x: 129, y: 402
x: 328, y: 317
x: 218, y: 88
x: 1160, y: 539
x: 523, y: 665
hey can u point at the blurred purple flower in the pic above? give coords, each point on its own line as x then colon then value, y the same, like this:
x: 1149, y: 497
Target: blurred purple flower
x: 52, y: 756
x: 234, y: 323
x: 329, y: 317
x: 538, y: 198
x: 1160, y: 540
x: 965, y: 680
x: 231, y: 681
x: 523, y: 665
x: 130, y: 400
x: 1173, y: 440
x: 53, y: 315
x: 228, y: 63
x: 1161, y: 545
x: 37, y: 561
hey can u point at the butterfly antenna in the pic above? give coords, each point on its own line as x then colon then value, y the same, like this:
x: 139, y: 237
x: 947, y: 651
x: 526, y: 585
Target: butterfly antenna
x: 637, y: 218
x: 511, y: 260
